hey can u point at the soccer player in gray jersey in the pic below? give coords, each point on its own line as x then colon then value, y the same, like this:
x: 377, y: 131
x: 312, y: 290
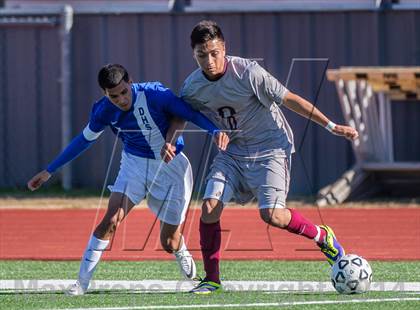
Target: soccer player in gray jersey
x: 241, y: 97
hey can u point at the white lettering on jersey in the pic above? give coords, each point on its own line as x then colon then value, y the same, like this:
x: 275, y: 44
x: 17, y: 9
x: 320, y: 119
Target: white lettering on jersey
x: 144, y: 119
x: 147, y: 125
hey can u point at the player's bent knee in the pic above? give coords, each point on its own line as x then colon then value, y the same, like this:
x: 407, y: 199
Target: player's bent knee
x: 275, y: 217
x: 266, y: 217
x: 209, y: 205
x: 211, y: 211
x: 108, y: 225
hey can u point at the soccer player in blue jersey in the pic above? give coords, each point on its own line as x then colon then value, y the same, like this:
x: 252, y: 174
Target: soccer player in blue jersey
x: 147, y: 117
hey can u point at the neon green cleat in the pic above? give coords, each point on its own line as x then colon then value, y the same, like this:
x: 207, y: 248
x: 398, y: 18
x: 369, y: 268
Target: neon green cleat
x: 331, y: 248
x: 207, y: 287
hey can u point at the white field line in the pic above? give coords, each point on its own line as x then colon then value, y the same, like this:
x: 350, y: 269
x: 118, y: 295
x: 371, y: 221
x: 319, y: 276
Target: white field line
x: 148, y: 286
x: 257, y: 305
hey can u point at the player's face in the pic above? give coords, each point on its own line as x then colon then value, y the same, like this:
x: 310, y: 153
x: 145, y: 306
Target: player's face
x: 121, y: 95
x: 210, y: 56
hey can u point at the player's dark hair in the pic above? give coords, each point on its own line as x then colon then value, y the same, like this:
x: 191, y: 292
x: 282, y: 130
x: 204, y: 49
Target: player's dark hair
x: 204, y: 31
x: 111, y: 75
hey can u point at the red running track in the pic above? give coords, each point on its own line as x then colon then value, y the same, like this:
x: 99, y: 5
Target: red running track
x: 376, y: 234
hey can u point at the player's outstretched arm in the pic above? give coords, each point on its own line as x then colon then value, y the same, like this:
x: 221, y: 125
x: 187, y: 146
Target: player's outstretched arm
x: 39, y: 179
x: 77, y: 146
x: 304, y: 108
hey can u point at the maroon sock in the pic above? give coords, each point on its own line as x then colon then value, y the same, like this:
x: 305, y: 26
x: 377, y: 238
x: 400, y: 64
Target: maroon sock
x: 210, y: 241
x: 302, y: 226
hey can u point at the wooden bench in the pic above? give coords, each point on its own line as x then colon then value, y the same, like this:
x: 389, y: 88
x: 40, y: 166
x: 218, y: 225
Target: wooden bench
x: 365, y: 94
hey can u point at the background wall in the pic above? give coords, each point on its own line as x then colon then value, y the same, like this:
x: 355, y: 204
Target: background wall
x: 156, y: 47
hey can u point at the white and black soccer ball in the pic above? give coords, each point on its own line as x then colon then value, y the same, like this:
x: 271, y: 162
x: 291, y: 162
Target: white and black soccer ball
x: 352, y: 274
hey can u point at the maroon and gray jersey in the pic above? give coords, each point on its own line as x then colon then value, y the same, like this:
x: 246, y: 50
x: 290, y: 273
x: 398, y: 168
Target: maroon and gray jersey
x: 244, y: 101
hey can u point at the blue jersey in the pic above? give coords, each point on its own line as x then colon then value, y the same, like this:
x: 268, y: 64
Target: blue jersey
x: 142, y: 129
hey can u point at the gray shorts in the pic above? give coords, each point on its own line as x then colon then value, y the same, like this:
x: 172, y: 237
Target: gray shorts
x: 242, y: 180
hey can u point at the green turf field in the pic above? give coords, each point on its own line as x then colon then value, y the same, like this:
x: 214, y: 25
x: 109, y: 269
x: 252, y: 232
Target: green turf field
x: 239, y: 270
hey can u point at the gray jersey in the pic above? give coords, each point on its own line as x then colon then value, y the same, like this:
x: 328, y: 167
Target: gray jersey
x: 245, y: 101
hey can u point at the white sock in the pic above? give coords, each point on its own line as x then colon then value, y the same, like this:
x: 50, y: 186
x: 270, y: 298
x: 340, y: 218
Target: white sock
x: 318, y: 234
x: 90, y: 259
x: 183, y: 246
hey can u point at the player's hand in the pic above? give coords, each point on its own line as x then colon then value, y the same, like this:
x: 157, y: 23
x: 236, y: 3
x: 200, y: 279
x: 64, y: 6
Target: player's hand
x: 221, y: 139
x: 38, y: 180
x: 168, y: 152
x: 346, y: 131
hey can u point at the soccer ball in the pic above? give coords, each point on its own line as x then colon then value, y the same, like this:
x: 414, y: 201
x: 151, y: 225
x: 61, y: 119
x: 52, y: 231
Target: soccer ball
x: 351, y: 275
